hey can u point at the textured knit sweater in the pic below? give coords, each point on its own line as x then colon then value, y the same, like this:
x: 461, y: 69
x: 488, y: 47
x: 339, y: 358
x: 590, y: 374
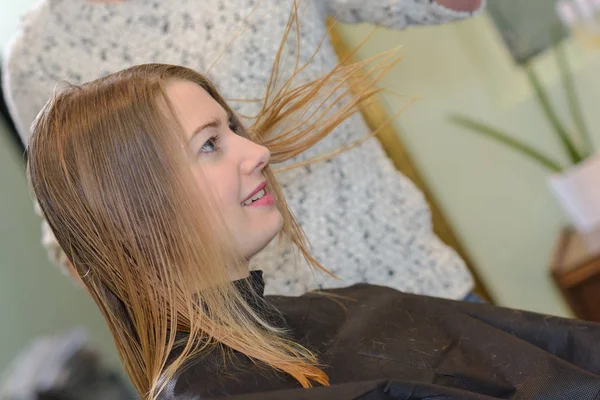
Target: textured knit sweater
x: 366, y: 222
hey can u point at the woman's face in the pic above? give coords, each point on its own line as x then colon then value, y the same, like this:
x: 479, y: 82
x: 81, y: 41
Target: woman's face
x: 231, y: 165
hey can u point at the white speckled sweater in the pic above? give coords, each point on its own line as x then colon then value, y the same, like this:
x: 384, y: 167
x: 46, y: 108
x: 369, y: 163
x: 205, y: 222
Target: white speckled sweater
x: 366, y: 222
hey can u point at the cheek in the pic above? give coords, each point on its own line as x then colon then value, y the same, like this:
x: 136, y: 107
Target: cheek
x: 222, y: 183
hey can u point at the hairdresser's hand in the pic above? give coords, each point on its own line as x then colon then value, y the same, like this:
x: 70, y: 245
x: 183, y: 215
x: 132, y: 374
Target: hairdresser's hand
x: 461, y: 5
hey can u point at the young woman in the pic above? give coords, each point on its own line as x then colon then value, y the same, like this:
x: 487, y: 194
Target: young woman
x: 235, y: 43
x: 160, y: 197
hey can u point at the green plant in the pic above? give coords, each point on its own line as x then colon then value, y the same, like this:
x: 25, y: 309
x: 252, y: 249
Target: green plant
x: 575, y: 153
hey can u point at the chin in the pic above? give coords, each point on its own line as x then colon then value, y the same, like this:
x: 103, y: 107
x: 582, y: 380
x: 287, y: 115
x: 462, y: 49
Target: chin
x: 256, y: 242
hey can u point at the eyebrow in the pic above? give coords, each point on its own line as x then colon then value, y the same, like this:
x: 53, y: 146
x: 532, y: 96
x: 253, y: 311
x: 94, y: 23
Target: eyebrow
x: 214, y: 123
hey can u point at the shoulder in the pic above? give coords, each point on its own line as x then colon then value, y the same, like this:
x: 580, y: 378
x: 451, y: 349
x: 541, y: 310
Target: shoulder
x: 325, y: 312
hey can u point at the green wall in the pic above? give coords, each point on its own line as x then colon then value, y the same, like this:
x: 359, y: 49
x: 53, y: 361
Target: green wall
x: 498, y: 202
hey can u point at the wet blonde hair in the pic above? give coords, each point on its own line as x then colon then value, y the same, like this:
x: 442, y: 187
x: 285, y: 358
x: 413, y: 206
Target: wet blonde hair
x: 109, y: 166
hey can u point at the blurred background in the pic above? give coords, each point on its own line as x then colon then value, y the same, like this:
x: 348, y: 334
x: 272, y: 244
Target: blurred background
x: 479, y: 82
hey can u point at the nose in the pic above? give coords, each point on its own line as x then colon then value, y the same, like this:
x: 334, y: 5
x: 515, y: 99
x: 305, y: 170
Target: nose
x: 254, y: 157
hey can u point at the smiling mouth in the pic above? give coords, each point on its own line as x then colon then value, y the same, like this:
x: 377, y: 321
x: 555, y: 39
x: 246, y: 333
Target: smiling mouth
x: 256, y: 194
x: 259, y: 195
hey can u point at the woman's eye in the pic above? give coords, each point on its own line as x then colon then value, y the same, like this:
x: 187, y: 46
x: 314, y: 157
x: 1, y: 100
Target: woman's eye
x: 210, y: 146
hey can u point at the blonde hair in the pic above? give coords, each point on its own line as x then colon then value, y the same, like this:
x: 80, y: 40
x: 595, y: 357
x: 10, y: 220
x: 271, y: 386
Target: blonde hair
x: 107, y: 168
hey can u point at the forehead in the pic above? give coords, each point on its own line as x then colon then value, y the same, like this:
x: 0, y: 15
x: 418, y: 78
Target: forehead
x: 193, y: 105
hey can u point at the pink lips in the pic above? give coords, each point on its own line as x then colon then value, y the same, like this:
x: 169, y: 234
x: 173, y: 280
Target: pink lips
x: 258, y: 189
x: 266, y: 200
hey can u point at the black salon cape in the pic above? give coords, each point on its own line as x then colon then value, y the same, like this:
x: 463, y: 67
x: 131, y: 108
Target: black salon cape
x: 378, y: 343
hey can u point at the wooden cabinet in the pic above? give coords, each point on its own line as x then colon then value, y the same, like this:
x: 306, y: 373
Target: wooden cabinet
x: 575, y: 268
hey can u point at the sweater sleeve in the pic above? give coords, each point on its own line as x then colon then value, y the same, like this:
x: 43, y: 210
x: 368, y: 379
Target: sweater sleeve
x: 26, y: 81
x: 14, y: 97
x: 395, y: 14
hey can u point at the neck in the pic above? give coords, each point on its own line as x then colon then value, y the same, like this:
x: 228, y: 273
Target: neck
x: 237, y: 275
x: 241, y: 272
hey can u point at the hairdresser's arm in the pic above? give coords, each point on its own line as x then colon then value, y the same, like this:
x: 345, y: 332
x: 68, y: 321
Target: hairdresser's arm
x: 399, y: 14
